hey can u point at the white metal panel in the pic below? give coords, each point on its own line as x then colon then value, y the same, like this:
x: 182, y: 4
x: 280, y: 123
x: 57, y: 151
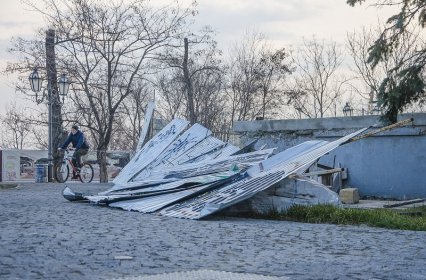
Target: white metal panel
x: 204, y: 147
x: 180, y: 146
x: 174, y: 173
x: 285, y: 155
x: 226, y: 151
x: 222, y: 151
x: 242, y: 162
x: 154, y: 203
x: 161, y: 188
x: 151, y: 150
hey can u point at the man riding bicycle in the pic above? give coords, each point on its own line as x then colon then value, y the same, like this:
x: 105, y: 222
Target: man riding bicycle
x: 78, y: 141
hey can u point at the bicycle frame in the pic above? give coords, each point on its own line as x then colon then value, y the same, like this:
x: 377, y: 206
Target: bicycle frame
x: 68, y: 159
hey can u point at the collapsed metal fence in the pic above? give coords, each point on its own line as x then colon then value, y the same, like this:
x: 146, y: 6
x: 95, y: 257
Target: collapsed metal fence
x: 185, y: 172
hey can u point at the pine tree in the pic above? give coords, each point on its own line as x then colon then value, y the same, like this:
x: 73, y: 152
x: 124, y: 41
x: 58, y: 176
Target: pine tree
x: 405, y: 84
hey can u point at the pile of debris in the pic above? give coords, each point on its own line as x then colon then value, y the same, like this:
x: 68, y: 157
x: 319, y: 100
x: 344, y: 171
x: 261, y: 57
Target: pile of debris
x: 188, y: 173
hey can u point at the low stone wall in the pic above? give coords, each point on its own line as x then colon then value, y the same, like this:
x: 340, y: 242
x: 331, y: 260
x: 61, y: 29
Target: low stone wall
x: 391, y: 164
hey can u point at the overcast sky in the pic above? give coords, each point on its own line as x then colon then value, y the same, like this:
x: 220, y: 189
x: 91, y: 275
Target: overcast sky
x: 284, y: 22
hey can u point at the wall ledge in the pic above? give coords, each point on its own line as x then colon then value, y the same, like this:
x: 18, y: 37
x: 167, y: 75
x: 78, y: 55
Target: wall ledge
x: 320, y: 124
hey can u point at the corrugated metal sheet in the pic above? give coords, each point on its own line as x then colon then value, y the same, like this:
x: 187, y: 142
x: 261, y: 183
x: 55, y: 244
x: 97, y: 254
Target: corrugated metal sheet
x: 221, y: 152
x: 204, y: 147
x: 152, y: 204
x: 158, y: 189
x: 286, y: 155
x: 128, y: 193
x: 171, y: 154
x: 241, y: 162
x: 151, y: 150
x: 226, y: 151
x: 155, y: 203
x: 218, y: 199
x: 173, y: 173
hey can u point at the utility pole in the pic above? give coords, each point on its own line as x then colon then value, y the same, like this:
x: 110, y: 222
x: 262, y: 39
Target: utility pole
x: 55, y: 117
x: 188, y: 83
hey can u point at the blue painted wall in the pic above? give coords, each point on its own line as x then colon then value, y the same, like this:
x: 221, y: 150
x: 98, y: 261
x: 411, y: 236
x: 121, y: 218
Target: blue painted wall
x: 387, y: 167
x: 390, y: 165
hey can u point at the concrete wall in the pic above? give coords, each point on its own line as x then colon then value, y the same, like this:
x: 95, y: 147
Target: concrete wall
x: 389, y: 165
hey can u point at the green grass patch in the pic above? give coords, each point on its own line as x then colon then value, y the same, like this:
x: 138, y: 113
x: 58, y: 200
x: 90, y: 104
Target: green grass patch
x: 384, y: 218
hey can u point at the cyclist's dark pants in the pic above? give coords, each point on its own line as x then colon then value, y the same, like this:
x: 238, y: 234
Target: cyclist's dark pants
x: 76, y: 158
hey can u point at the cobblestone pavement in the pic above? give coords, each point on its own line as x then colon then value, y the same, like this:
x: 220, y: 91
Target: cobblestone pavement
x: 43, y: 236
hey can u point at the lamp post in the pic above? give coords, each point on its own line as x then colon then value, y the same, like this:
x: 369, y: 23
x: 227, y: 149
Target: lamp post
x: 35, y: 83
x: 347, y: 110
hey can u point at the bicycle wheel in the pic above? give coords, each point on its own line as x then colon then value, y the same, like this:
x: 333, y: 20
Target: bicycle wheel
x: 62, y: 172
x: 86, y: 173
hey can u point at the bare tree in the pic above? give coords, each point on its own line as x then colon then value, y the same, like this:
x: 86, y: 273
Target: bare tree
x: 256, y: 77
x: 272, y: 70
x: 171, y: 94
x: 316, y: 88
x: 196, y: 71
x: 130, y: 118
x: 107, y: 48
x: 23, y: 128
x: 243, y: 77
x: 15, y: 128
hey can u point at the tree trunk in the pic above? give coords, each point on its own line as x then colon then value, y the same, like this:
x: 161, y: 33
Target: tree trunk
x: 188, y: 83
x: 102, y: 160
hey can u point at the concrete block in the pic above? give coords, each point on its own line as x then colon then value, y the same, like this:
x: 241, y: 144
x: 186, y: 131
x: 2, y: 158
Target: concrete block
x: 349, y: 195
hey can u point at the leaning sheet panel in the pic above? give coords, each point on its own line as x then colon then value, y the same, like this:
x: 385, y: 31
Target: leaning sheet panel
x: 221, y: 198
x: 151, y: 150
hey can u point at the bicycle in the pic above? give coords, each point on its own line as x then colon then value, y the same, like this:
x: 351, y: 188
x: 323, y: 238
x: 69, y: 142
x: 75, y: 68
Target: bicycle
x: 62, y: 170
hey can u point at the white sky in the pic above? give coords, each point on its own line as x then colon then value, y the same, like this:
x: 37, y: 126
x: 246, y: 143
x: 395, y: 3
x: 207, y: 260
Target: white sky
x: 284, y: 22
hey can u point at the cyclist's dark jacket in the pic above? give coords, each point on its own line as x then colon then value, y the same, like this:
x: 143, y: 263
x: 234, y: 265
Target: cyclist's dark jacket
x: 77, y: 141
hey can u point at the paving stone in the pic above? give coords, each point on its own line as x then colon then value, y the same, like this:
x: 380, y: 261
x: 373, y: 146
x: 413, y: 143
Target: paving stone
x: 205, y: 275
x: 43, y: 236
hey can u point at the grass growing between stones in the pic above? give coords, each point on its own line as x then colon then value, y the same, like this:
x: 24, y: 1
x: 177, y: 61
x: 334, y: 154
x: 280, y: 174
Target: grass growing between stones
x: 384, y: 218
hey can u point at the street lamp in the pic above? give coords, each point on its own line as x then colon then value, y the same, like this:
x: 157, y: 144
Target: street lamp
x: 35, y: 81
x: 64, y: 84
x: 347, y: 110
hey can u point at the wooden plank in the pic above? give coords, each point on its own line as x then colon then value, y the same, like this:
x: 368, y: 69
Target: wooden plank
x: 319, y: 173
x: 402, y: 203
